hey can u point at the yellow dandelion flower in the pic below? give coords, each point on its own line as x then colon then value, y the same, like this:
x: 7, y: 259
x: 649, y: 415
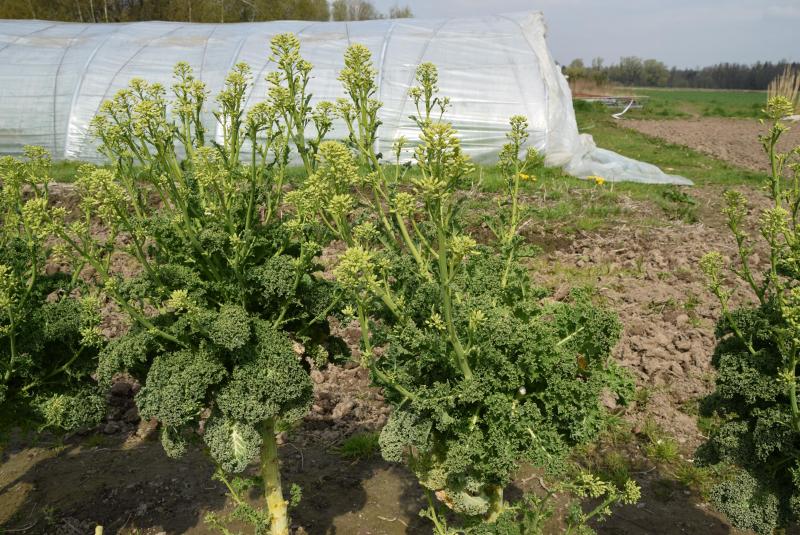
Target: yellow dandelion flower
x: 598, y: 180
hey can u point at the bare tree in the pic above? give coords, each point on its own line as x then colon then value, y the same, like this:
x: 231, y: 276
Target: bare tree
x: 400, y: 13
x: 364, y: 10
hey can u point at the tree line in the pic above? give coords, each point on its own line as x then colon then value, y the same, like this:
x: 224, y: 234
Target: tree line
x: 634, y: 71
x: 195, y: 10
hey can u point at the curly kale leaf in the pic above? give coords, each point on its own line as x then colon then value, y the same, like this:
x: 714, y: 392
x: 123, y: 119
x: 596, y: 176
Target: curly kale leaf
x: 272, y: 384
x: 177, y: 386
x: 163, y: 280
x: 127, y: 353
x: 71, y: 411
x: 273, y: 282
x: 748, y: 503
x: 402, y: 432
x: 232, y: 444
x: 756, y: 433
x: 538, y: 370
x: 173, y: 442
x: 56, y: 342
x: 745, y: 380
x: 50, y: 333
x: 230, y: 328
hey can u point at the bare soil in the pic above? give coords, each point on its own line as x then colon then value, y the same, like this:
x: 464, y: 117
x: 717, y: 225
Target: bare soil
x: 732, y: 140
x: 117, y: 475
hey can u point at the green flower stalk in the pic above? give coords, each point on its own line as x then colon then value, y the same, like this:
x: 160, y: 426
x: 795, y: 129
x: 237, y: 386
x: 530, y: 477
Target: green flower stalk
x: 481, y: 372
x: 224, y: 287
x: 757, y: 355
x: 515, y: 170
x: 288, y: 92
x: 49, y: 337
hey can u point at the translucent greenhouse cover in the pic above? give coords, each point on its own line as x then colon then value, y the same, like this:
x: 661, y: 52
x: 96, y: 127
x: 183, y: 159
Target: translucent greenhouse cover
x: 54, y: 76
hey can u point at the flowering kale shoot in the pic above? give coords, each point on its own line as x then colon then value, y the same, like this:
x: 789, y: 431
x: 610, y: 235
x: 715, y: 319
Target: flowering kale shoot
x: 759, y: 352
x: 193, y: 237
x: 483, y: 370
x: 223, y: 290
x: 48, y: 337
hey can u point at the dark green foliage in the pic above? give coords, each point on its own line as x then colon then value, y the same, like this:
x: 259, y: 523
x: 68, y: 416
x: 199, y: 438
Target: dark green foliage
x: 234, y: 445
x: 757, y: 357
x: 75, y: 407
x: 403, y: 432
x: 756, y: 432
x: 539, y: 368
x: 129, y: 352
x: 49, y: 335
x: 230, y: 329
x: 177, y: 383
x: 270, y: 384
x: 748, y: 503
x: 236, y: 362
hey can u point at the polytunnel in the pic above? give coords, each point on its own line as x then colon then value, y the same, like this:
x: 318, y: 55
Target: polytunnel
x: 54, y: 77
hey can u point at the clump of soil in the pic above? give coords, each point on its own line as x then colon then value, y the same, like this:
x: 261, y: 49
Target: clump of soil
x: 732, y: 140
x: 652, y: 278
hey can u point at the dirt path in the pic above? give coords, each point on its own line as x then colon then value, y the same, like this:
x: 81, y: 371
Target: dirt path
x: 732, y: 140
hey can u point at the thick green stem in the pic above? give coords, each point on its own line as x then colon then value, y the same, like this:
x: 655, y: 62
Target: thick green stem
x: 13, y: 346
x: 507, y: 270
x: 773, y: 161
x: 511, y: 232
x: 439, y: 528
x: 447, y: 306
x: 412, y: 247
x: 370, y: 362
x: 793, y: 396
x: 277, y: 506
x: 496, y: 505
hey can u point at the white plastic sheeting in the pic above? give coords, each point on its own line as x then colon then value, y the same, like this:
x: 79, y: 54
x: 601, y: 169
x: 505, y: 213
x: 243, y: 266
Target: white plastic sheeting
x: 54, y: 76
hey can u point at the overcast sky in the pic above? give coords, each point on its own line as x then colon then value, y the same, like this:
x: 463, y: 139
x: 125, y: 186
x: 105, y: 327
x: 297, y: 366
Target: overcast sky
x: 683, y: 33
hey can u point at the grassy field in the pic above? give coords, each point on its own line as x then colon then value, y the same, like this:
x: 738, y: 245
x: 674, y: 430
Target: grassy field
x: 576, y: 204
x: 671, y: 103
x: 596, y: 120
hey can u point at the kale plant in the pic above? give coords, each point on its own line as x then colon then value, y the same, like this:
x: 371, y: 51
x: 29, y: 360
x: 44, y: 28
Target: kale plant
x: 483, y: 370
x: 757, y: 354
x: 223, y: 291
x: 49, y: 337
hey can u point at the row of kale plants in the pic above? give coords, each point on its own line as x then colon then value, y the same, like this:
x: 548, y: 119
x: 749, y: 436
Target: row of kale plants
x: 229, y: 311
